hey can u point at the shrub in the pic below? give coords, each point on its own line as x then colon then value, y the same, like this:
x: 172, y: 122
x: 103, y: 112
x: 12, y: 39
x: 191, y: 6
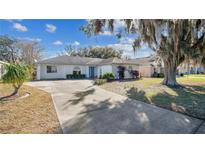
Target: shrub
x: 135, y: 74
x: 161, y: 75
x: 155, y: 75
x: 108, y: 76
x: 100, y: 81
x: 158, y: 75
x: 75, y: 76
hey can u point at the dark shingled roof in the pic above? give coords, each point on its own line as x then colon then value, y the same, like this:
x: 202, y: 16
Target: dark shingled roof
x: 70, y: 60
x: 144, y: 61
x: 76, y: 60
x: 116, y: 61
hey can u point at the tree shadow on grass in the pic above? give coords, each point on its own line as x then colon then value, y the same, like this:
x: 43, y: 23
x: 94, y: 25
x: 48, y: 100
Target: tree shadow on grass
x: 189, y: 100
x: 138, y: 94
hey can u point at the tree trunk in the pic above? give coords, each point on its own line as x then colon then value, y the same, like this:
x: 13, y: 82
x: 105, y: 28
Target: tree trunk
x: 16, y: 89
x: 14, y: 92
x: 170, y: 74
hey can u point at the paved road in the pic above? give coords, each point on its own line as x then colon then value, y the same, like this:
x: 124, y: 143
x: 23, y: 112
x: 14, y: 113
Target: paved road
x: 84, y: 108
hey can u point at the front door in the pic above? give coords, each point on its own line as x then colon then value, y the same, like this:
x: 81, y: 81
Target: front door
x: 92, y: 72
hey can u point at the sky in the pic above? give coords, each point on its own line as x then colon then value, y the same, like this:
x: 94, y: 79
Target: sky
x: 55, y: 34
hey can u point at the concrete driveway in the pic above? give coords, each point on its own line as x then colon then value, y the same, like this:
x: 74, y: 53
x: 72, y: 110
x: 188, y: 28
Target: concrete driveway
x: 84, y: 108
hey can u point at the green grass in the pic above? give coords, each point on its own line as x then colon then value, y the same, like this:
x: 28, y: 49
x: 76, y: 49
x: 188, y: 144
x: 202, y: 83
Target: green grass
x: 194, y: 75
x: 192, y: 79
x: 190, y: 99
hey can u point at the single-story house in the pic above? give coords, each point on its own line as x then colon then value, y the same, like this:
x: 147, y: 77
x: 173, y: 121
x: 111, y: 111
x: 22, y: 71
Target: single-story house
x: 2, y: 69
x: 62, y: 67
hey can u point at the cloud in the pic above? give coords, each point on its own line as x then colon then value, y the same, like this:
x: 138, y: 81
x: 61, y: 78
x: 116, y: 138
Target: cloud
x: 126, y: 40
x: 76, y: 43
x: 50, y: 28
x: 126, y: 48
x: 118, y: 24
x: 87, y: 20
x: 20, y: 27
x: 29, y: 39
x: 58, y: 42
x: 106, y: 33
x: 125, y: 45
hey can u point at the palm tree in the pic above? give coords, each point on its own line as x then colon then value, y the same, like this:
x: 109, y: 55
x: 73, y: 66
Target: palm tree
x: 16, y: 74
x: 172, y: 40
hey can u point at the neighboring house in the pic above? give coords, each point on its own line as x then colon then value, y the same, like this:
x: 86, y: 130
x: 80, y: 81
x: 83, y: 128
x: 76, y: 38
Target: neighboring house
x: 62, y: 66
x: 2, y: 69
x: 190, y: 68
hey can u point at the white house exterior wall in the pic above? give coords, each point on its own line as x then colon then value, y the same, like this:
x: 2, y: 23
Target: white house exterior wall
x: 68, y: 69
x: 101, y: 70
x: 98, y: 71
x: 115, y: 71
x: 38, y: 72
x: 62, y: 71
x: 58, y: 75
x: 87, y: 71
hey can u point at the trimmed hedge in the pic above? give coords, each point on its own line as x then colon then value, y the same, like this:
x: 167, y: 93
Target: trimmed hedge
x: 75, y: 76
x: 158, y: 75
x: 108, y: 76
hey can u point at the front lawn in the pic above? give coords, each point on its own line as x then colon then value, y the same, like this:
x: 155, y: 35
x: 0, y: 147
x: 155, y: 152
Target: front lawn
x: 188, y: 100
x: 32, y: 114
x: 195, y: 75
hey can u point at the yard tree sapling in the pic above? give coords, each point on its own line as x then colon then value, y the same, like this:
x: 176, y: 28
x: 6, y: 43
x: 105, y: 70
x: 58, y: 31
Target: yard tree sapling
x: 16, y: 74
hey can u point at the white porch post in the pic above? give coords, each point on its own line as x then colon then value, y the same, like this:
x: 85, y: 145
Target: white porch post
x: 38, y: 72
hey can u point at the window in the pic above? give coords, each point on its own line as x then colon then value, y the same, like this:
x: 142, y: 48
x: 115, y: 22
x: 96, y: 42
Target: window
x: 51, y: 69
x: 76, y: 71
